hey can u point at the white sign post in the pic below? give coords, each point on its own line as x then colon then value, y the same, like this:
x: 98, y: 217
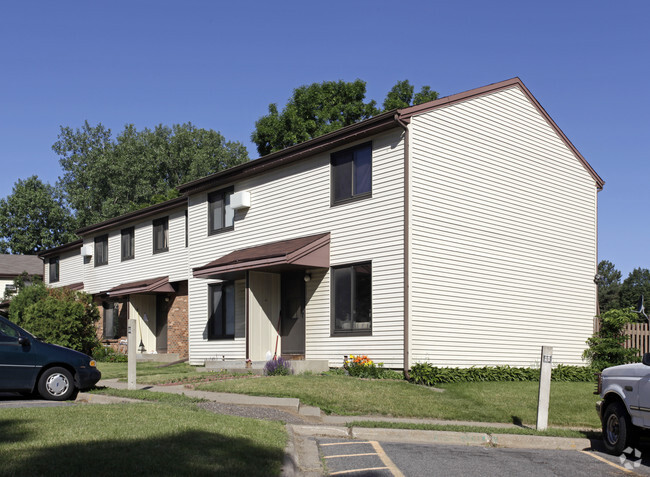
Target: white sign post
x: 544, y: 387
x: 131, y: 353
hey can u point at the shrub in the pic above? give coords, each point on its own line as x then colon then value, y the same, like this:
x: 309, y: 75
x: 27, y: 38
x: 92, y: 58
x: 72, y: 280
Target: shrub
x: 57, y: 315
x: 363, y: 367
x: 425, y: 373
x: 606, y: 346
x: 107, y: 354
x: 278, y: 367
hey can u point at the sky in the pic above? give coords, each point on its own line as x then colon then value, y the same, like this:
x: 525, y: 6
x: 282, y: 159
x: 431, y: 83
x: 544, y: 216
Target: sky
x: 220, y: 64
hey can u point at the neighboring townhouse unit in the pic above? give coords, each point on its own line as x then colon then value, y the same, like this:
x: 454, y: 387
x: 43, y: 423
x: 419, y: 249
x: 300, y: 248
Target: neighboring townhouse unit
x: 135, y: 266
x: 12, y: 266
x: 461, y: 231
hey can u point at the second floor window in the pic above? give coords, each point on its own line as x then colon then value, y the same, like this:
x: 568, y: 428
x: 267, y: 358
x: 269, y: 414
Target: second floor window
x: 101, y: 250
x: 352, y: 173
x: 161, y: 235
x: 54, y: 269
x: 221, y: 216
x: 128, y: 243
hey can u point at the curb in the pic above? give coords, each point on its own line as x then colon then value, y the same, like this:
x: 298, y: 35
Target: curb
x: 476, y: 439
x: 87, y: 398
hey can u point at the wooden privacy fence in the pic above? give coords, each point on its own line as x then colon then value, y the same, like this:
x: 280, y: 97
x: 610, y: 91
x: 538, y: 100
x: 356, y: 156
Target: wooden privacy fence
x: 638, y: 336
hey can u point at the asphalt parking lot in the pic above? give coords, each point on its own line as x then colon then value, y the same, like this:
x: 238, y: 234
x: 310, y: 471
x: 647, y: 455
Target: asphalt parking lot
x: 18, y: 400
x: 346, y: 457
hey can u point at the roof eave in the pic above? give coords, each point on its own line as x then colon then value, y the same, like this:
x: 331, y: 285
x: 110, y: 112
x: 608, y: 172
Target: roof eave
x: 132, y: 216
x: 328, y: 141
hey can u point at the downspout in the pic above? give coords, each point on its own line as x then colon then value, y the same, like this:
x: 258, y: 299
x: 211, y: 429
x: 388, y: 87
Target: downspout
x: 407, y: 198
x: 247, y: 315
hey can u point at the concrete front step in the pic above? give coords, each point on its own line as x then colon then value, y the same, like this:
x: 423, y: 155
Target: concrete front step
x: 157, y: 358
x: 239, y: 366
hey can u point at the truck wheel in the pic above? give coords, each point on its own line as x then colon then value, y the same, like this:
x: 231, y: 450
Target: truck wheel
x: 56, y: 384
x: 617, y: 428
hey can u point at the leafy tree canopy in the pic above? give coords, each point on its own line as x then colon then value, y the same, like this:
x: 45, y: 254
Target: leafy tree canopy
x: 105, y: 177
x: 636, y: 284
x: 401, y: 96
x: 33, y: 218
x: 609, y: 286
x: 320, y: 108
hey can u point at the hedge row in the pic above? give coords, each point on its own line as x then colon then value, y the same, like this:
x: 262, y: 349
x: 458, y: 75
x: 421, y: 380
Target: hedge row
x: 425, y: 373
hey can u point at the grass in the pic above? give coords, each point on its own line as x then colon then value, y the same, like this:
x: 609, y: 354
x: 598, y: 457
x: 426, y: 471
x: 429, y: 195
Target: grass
x: 136, y: 439
x: 552, y: 432
x: 159, y: 373
x: 119, y: 370
x: 572, y: 404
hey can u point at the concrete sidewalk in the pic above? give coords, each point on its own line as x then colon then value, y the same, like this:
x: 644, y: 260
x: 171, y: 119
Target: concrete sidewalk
x: 302, y: 457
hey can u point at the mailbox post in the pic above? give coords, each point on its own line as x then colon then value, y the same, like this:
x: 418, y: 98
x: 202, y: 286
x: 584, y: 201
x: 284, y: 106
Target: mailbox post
x: 131, y: 353
x: 544, y: 387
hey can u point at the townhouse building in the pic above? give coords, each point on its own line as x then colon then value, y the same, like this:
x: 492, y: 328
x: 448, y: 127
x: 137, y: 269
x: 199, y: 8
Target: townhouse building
x: 461, y: 232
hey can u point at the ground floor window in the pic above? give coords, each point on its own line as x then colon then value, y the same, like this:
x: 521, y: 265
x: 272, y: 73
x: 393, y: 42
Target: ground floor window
x: 352, y: 299
x: 221, y: 322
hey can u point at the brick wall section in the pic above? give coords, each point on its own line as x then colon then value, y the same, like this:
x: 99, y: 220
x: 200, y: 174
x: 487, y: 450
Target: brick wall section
x: 177, y: 336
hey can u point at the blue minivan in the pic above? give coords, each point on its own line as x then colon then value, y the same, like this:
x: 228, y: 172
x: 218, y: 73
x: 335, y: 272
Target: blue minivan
x: 28, y: 365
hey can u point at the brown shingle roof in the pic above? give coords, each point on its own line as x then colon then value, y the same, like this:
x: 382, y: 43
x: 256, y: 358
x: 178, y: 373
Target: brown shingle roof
x: 13, y: 265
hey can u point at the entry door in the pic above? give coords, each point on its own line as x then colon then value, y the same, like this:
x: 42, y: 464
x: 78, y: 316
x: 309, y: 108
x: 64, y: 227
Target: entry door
x: 293, y: 314
x: 161, y: 324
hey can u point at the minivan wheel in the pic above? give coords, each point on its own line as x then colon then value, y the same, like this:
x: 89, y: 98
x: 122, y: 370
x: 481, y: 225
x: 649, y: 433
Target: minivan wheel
x: 56, y: 384
x: 617, y: 428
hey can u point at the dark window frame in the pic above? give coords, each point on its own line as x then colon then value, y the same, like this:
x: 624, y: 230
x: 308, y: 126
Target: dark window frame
x: 353, y: 282
x: 187, y: 229
x: 124, y: 232
x: 341, y: 155
x: 164, y: 222
x: 54, y: 269
x: 102, y: 241
x: 212, y: 198
x: 212, y: 335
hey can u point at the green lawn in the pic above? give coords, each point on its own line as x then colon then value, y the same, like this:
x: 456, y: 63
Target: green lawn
x: 136, y: 439
x: 119, y: 370
x: 159, y: 373
x: 572, y: 404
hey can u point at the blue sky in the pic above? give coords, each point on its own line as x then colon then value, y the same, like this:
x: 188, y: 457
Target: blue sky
x: 219, y: 65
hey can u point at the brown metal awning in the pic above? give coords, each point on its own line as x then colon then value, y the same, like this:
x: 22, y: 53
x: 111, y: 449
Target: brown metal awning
x: 151, y: 285
x: 75, y: 286
x: 294, y: 254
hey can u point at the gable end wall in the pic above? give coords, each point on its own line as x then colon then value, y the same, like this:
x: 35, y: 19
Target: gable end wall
x: 503, y: 237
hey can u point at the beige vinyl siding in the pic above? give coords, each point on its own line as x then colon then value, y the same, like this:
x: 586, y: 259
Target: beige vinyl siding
x: 503, y: 237
x: 294, y: 201
x: 3, y: 285
x: 146, y: 264
x: 70, y: 268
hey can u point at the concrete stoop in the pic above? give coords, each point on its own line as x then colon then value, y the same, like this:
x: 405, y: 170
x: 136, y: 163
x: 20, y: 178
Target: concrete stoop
x: 157, y: 358
x: 257, y: 367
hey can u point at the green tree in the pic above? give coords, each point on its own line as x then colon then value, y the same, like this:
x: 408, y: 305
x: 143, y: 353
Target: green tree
x: 636, y: 284
x: 401, y: 96
x: 105, y: 177
x: 33, y: 218
x: 606, y: 346
x: 609, y: 286
x: 320, y: 108
x: 312, y: 111
x: 57, y: 315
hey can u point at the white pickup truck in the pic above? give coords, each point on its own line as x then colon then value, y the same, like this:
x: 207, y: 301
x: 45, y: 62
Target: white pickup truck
x: 625, y: 407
